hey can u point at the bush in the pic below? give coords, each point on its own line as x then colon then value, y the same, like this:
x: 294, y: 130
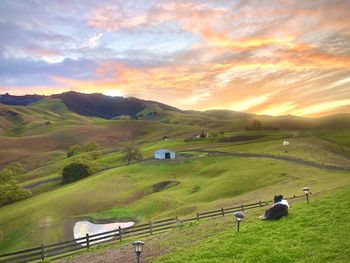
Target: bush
x: 74, y: 150
x: 75, y: 171
x: 11, y: 192
x: 82, y: 148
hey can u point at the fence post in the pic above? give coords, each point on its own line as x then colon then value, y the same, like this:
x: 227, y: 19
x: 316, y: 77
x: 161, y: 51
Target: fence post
x: 42, y: 252
x: 178, y: 220
x: 294, y: 196
x: 150, y: 227
x: 197, y: 216
x: 222, y: 211
x: 120, y: 233
x: 260, y: 203
x: 87, y: 241
x: 242, y: 207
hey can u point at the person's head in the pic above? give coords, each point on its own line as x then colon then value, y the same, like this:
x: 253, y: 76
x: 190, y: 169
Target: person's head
x: 277, y: 198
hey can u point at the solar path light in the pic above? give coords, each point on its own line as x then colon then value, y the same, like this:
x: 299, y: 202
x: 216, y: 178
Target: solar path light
x: 138, y: 245
x: 239, y: 217
x: 306, y: 191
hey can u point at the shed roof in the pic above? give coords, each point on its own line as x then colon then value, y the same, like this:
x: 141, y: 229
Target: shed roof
x: 160, y: 151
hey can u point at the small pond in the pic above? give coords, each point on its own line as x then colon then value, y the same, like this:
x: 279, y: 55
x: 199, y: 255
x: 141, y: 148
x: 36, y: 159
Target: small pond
x: 82, y: 227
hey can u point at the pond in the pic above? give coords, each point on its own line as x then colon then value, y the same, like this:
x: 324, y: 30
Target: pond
x: 81, y: 228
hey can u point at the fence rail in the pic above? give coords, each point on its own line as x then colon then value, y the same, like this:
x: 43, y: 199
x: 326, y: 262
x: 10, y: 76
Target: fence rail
x: 46, y: 251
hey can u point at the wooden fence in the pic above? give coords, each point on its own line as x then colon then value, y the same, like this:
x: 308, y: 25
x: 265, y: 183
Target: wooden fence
x: 49, y: 251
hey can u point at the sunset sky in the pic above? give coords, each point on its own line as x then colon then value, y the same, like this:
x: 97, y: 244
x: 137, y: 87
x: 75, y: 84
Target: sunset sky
x: 265, y: 57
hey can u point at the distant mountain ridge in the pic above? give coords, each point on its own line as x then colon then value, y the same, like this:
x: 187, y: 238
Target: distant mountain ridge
x: 96, y: 104
x: 24, y: 100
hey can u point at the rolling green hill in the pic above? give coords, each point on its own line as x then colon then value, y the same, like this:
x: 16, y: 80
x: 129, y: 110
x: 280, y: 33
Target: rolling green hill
x: 200, y: 184
x: 206, y: 175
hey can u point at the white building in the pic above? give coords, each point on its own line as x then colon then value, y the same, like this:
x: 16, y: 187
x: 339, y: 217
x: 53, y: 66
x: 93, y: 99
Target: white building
x: 164, y: 154
x: 285, y: 143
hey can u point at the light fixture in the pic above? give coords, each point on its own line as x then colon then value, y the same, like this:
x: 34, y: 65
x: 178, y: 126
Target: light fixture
x: 138, y: 246
x: 239, y: 217
x: 306, y: 191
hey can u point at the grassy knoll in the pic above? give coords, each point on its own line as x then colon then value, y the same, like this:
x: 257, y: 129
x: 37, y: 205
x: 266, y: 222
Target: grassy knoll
x: 307, y: 148
x: 195, y: 185
x: 318, y: 232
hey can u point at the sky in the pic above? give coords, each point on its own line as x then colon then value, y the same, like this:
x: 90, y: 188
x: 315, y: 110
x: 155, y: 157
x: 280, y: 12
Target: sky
x: 265, y: 57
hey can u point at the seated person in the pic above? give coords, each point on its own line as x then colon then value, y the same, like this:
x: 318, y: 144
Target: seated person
x: 278, y: 209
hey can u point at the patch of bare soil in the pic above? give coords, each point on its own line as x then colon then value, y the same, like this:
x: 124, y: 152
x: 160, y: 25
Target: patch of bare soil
x: 164, y: 185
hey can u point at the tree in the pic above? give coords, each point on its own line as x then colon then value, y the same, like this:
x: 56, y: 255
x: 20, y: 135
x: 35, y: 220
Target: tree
x: 6, y: 176
x: 91, y: 146
x: 75, y: 171
x: 79, y: 148
x: 16, y: 168
x: 132, y: 153
x: 74, y: 150
x: 10, y: 190
x: 256, y: 125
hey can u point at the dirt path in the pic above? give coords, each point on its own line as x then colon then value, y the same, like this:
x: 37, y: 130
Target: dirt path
x: 30, y: 186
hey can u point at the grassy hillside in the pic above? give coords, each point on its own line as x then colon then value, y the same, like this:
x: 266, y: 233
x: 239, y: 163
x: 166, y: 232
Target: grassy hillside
x: 318, y: 232
x: 39, y: 135
x: 195, y: 184
x: 41, y: 132
x: 307, y: 148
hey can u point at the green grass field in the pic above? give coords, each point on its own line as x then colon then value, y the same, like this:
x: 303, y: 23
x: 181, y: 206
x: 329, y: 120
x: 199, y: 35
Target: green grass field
x: 203, y: 183
x: 306, y: 148
x: 318, y: 232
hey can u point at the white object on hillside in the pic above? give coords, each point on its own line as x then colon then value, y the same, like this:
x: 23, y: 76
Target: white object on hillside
x: 285, y: 143
x: 164, y: 154
x: 81, y: 228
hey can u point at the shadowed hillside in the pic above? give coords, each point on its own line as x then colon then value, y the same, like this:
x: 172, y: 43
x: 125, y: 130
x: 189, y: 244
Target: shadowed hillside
x: 96, y: 104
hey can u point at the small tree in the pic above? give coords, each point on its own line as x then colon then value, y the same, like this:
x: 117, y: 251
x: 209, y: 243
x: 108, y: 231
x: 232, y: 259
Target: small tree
x: 10, y: 190
x: 256, y: 125
x: 132, y: 153
x: 79, y: 148
x: 74, y: 150
x: 91, y: 146
x: 75, y: 171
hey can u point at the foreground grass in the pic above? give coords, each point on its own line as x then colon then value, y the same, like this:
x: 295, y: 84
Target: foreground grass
x: 318, y: 232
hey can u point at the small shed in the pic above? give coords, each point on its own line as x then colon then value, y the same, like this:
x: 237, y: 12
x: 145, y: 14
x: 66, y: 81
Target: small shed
x: 164, y: 154
x: 285, y: 143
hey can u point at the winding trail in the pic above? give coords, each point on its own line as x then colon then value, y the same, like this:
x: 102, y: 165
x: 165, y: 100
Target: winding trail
x: 220, y: 153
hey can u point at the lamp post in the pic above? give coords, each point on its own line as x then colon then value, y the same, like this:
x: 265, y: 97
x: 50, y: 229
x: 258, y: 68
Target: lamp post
x: 138, y: 245
x: 306, y: 191
x: 239, y: 217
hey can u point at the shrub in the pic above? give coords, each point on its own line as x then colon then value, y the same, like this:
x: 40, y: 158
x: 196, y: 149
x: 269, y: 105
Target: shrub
x: 74, y: 150
x: 79, y: 148
x: 11, y: 192
x: 76, y: 170
x: 91, y: 146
